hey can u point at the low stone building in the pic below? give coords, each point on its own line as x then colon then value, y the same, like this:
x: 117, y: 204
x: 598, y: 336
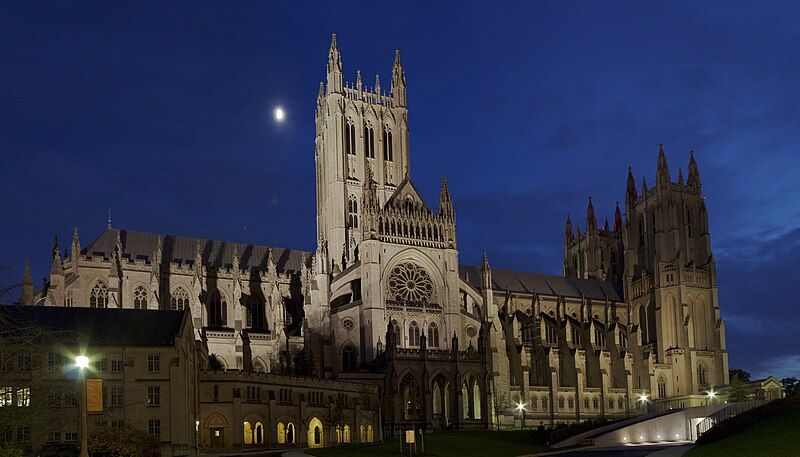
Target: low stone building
x: 147, y: 362
x: 241, y: 410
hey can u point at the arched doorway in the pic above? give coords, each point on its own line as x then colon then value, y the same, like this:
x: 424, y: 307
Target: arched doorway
x: 315, y: 433
x: 440, y: 388
x: 411, y: 398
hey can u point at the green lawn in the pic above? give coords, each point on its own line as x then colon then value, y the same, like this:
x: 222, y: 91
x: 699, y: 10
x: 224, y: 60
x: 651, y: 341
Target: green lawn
x: 506, y: 443
x: 776, y: 436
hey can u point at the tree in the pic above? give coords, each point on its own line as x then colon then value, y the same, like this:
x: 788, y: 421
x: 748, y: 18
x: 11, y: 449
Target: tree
x: 737, y: 391
x: 500, y: 405
x: 741, y: 375
x: 214, y: 363
x: 791, y: 386
x: 336, y: 415
x: 123, y: 442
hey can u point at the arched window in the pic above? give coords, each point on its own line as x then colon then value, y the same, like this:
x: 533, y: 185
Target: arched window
x: 641, y: 230
x: 620, y: 403
x: 362, y: 434
x: 397, y: 334
x: 702, y: 375
x: 595, y: 403
x: 140, y: 298
x: 413, y: 334
x: 179, y: 300
x: 346, y: 434
x: 350, y: 138
x: 643, y: 324
x: 255, y: 314
x: 349, y: 358
x: 217, y: 310
x: 99, y: 296
x: 290, y: 433
x: 248, y: 433
x: 571, y: 403
x: 387, y: 145
x: 550, y: 333
x: 433, y: 336
x: 545, y: 403
x: 370, y: 436
x: 369, y: 141
x: 69, y: 300
x: 610, y: 403
x: 560, y: 402
x: 585, y: 402
x: 662, y: 387
x: 352, y: 212
x: 258, y: 433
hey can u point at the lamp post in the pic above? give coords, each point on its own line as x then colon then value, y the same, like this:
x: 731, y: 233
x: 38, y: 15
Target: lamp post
x: 521, y: 410
x: 82, y: 362
x: 643, y: 401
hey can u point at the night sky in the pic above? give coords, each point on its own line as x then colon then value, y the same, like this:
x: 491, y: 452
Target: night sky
x: 162, y: 114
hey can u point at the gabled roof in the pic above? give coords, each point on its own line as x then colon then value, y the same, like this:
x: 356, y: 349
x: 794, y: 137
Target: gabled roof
x: 405, y: 190
x: 95, y: 327
x: 138, y: 245
x: 527, y: 282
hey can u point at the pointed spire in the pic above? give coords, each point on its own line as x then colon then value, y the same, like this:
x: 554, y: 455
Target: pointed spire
x: 569, y: 235
x: 445, y: 201
x: 108, y: 220
x: 335, y: 76
x: 605, y: 225
x: 694, y: 173
x: 76, y: 245
x: 662, y: 175
x: 235, y: 257
x: 644, y: 187
x: 378, y: 84
x: 680, y: 177
x: 27, y: 286
x: 485, y: 261
x: 617, y: 220
x: 358, y: 80
x: 591, y: 220
x: 56, y: 268
x: 271, y: 263
x: 630, y: 193
x: 398, y: 81
x: 198, y: 258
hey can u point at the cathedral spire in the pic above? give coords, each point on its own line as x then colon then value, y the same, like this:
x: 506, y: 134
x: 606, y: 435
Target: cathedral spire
x: 680, y: 177
x: 358, y: 80
x: 662, y: 175
x: 569, y: 234
x: 617, y: 220
x: 486, y: 272
x: 27, y: 286
x: 56, y: 267
x: 591, y: 220
x: 335, y: 76
x: 644, y: 187
x: 398, y: 81
x: 198, y: 259
x: 76, y: 245
x: 378, y: 84
x: 630, y: 193
x: 445, y: 202
x: 694, y: 173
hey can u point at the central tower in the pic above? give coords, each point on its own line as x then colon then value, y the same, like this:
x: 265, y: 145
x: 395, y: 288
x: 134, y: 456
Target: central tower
x: 359, y: 128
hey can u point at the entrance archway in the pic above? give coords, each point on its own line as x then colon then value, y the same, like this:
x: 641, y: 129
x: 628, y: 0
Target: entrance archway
x: 315, y: 433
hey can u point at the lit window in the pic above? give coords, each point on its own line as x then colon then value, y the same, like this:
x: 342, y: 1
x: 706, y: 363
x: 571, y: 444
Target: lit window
x: 23, y: 397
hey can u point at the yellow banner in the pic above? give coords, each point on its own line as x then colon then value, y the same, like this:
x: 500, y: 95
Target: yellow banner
x: 94, y: 395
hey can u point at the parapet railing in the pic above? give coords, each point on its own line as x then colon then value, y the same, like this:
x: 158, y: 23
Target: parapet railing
x: 726, y: 413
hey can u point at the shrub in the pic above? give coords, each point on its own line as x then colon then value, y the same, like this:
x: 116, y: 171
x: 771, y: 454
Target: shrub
x: 11, y: 451
x: 123, y: 442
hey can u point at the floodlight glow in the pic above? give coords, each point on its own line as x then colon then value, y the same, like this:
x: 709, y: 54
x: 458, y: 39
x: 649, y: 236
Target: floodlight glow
x: 711, y: 394
x: 643, y: 398
x: 81, y: 361
x: 520, y: 406
x: 279, y: 114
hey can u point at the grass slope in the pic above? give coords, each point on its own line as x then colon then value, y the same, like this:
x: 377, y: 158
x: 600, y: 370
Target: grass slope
x: 447, y: 444
x: 776, y: 436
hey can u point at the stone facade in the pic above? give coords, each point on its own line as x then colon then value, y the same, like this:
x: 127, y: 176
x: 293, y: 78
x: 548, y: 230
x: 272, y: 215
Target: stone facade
x: 384, y: 299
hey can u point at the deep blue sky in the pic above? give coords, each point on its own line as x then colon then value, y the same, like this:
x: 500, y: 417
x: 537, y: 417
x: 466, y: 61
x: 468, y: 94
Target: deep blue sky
x: 162, y: 114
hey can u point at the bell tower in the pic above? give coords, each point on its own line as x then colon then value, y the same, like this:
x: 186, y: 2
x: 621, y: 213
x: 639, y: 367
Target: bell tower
x: 359, y: 128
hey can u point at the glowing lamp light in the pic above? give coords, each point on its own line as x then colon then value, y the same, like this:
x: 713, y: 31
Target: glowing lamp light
x: 81, y: 361
x: 677, y: 436
x: 279, y: 114
x: 643, y: 398
x: 625, y: 439
x: 520, y: 406
x: 711, y: 394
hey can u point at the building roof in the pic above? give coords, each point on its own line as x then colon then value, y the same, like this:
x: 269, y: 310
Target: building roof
x: 529, y: 283
x: 181, y: 249
x: 96, y: 327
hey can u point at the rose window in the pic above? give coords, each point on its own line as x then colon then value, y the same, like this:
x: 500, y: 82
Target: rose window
x: 411, y: 284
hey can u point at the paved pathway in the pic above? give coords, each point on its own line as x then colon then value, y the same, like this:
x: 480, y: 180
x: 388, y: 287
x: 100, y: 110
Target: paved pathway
x: 651, y: 450
x: 297, y: 453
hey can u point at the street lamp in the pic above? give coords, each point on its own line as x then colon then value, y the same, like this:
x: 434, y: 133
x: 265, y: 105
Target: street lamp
x: 521, y: 410
x: 82, y: 362
x: 711, y: 395
x: 643, y: 399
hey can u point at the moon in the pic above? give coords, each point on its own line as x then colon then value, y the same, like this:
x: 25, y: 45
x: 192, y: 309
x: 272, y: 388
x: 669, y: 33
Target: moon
x: 279, y: 114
